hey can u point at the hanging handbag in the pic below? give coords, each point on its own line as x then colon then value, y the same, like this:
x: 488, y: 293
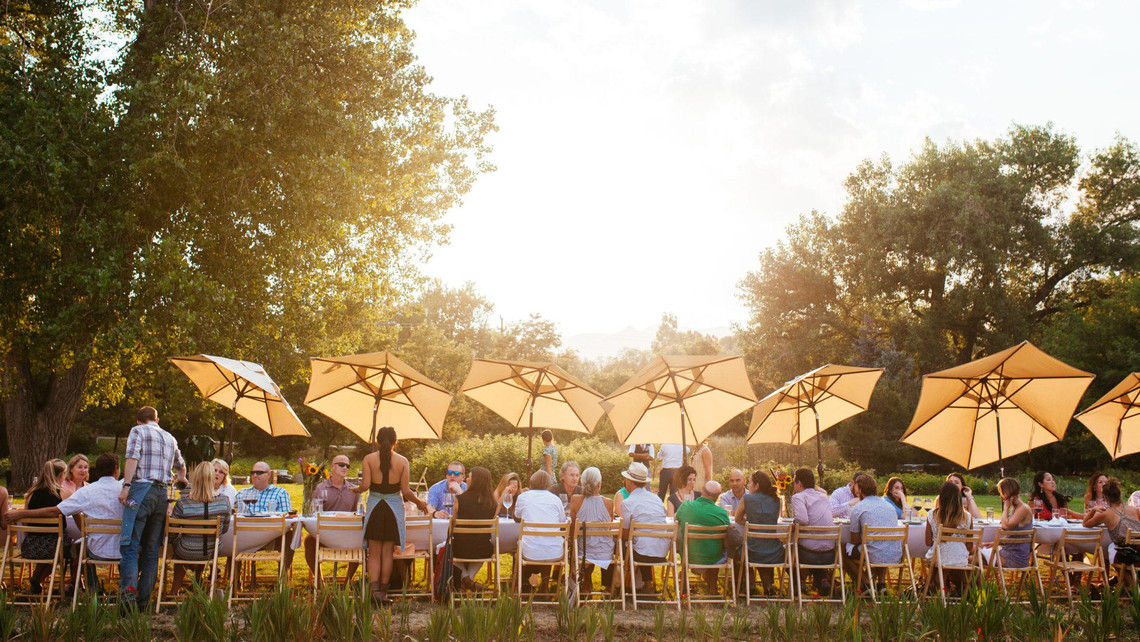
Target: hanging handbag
x: 443, y: 570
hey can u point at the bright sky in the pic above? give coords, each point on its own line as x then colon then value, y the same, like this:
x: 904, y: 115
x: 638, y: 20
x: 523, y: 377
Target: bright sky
x: 648, y: 151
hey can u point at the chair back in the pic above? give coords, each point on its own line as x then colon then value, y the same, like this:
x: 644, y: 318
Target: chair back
x: 544, y: 529
x: 203, y: 527
x: 27, y: 525
x: 638, y: 530
x: 597, y: 529
x: 96, y: 526
x: 1006, y: 537
x: 245, y: 524
x: 781, y: 533
x: 696, y: 533
x: 326, y: 523
x: 1132, y: 538
x: 1082, y: 540
x: 831, y: 534
x: 888, y: 535
x: 476, y: 527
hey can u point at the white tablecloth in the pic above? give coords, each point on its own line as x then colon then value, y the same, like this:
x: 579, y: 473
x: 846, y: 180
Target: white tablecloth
x: 255, y: 540
x: 508, y: 535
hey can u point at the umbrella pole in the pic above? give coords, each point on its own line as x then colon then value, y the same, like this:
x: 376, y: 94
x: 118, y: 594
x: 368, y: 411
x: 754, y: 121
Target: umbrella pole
x: 818, y: 447
x: 372, y: 435
x: 997, y: 422
x: 233, y: 420
x: 684, y: 455
x: 530, y: 440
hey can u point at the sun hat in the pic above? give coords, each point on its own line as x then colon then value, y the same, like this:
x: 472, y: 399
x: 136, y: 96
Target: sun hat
x: 636, y: 473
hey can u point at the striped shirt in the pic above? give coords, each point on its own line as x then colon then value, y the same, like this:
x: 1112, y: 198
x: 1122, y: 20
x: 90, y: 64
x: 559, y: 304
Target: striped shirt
x: 274, y: 499
x: 156, y: 451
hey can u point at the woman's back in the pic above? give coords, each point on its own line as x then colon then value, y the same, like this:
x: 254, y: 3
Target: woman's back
x: 473, y: 545
x: 389, y: 483
x: 199, y: 546
x: 760, y: 508
x: 593, y: 510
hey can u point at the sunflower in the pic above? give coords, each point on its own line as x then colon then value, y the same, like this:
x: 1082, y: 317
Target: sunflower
x: 312, y: 469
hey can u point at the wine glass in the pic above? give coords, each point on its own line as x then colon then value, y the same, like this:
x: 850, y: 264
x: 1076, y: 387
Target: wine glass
x: 508, y: 501
x: 916, y: 503
x: 1038, y: 506
x: 448, y: 502
x: 929, y: 505
x: 249, y: 502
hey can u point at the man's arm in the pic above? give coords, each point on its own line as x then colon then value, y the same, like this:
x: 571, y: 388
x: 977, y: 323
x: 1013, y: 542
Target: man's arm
x: 14, y: 516
x: 128, y: 476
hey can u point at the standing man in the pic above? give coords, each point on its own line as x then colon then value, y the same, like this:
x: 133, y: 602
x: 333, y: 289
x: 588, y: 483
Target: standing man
x: 672, y: 457
x: 152, y: 453
x: 339, y: 495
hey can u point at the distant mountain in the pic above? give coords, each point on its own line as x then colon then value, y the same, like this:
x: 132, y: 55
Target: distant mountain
x: 593, y: 345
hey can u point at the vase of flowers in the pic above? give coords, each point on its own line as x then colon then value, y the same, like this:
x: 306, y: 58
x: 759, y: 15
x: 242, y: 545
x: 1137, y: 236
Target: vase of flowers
x: 783, y: 482
x: 312, y: 473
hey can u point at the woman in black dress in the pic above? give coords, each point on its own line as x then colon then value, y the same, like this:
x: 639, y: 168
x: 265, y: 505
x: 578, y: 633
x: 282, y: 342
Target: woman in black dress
x: 41, y: 546
x: 386, y: 478
x: 477, y: 502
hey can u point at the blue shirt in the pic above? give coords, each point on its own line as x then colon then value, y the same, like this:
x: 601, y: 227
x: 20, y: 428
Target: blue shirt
x: 878, y: 512
x: 437, y: 491
x: 274, y: 499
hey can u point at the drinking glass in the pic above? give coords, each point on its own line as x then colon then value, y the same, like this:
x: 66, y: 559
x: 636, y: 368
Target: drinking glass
x: 319, y: 505
x: 989, y: 514
x: 929, y: 505
x: 565, y: 502
x: 1038, y: 506
x: 1063, y: 513
x: 508, y: 501
x: 448, y: 502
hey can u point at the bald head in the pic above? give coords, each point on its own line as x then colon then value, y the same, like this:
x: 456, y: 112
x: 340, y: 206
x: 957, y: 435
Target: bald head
x: 259, y: 475
x: 712, y: 489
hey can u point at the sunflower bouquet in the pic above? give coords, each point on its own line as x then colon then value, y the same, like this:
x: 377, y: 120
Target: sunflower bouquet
x: 783, y: 482
x: 312, y: 474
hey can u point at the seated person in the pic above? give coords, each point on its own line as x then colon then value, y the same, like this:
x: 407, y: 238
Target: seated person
x: 98, y: 500
x: 761, y: 506
x: 1117, y: 517
x: 968, y: 502
x: 202, y: 503
x: 591, y: 507
x: 43, y: 494
x: 730, y: 499
x: 442, y: 494
x: 685, y: 481
x: 949, y: 513
x: 843, y: 498
x: 78, y: 470
x: 810, y: 507
x: 568, y: 484
x: 541, y: 506
x: 477, y: 502
x: 509, y: 484
x: 338, y: 495
x: 703, y: 511
x: 1015, y: 516
x: 643, y: 507
x: 871, y: 510
x: 264, y: 497
x: 222, y: 483
x: 896, y: 494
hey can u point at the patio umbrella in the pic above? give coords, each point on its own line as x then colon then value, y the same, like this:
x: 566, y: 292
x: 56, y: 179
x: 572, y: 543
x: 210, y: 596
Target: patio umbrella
x: 997, y: 406
x: 1115, y: 418
x: 679, y: 399
x: 829, y: 393
x: 244, y: 388
x: 533, y: 396
x: 355, y: 390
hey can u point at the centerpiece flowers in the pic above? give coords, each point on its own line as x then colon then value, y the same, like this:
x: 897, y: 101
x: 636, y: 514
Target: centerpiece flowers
x: 783, y: 483
x: 312, y: 473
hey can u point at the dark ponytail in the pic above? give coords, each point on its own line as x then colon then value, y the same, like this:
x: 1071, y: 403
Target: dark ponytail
x: 385, y: 438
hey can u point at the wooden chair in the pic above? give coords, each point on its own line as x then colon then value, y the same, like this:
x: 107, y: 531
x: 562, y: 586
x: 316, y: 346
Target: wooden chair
x: 1006, y: 538
x: 352, y: 524
x: 638, y: 530
x: 487, y: 528
x: 544, y: 530
x: 14, y: 558
x: 695, y: 533
x: 584, y: 530
x: 252, y: 525
x: 1131, y: 539
x: 781, y: 533
x: 897, y: 535
x: 416, y: 524
x: 183, y: 528
x: 92, y: 526
x: 1081, y: 540
x: 832, y: 535
x: 972, y: 539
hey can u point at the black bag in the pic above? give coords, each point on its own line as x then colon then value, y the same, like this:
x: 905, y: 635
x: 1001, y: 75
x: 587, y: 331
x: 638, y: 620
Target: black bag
x: 1127, y: 555
x: 443, y: 571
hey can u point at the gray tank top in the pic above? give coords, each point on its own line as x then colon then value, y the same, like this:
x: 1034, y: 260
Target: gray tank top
x: 593, y: 509
x: 1120, y: 532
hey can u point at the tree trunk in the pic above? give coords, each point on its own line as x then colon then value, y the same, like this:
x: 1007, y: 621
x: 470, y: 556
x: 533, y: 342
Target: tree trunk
x: 38, y: 416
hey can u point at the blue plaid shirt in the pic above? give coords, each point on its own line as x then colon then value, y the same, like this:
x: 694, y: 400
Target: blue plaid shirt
x: 274, y: 499
x: 156, y: 451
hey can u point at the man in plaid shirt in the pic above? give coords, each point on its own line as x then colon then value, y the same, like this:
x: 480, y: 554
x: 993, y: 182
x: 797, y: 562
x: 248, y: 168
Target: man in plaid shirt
x: 270, y: 498
x: 152, y: 453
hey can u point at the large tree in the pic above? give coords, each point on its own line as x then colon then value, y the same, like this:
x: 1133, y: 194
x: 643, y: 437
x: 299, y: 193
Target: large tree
x: 962, y: 250
x: 247, y: 178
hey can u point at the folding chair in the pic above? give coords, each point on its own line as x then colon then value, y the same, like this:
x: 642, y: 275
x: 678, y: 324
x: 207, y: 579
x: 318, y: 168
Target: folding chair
x: 1087, y: 541
x: 416, y: 524
x: 695, y: 533
x: 485, y: 527
x: 12, y: 558
x: 781, y: 533
x: 541, y: 530
x: 354, y: 526
x: 92, y: 526
x: 971, y: 538
x: 1131, y: 539
x: 1006, y: 538
x: 183, y: 528
x: 638, y: 530
x: 886, y: 534
x: 832, y: 535
x: 584, y: 530
x: 243, y: 525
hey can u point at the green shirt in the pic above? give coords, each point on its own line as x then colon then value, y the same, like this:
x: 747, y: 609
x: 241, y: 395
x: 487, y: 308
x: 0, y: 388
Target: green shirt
x: 702, y: 511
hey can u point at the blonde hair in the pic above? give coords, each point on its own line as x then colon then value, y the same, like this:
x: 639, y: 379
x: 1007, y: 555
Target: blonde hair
x: 221, y: 463
x: 73, y: 462
x: 506, y: 479
x: 49, y: 477
x: 202, y: 482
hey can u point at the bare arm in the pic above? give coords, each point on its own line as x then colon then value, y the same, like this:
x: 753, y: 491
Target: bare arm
x: 741, y: 518
x: 548, y: 463
x: 406, y: 489
x: 365, y: 473
x: 14, y: 516
x: 128, y: 475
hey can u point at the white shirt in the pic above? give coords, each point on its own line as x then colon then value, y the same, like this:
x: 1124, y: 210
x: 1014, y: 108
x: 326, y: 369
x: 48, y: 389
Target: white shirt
x: 229, y: 491
x: 644, y: 507
x: 651, y: 451
x: 671, y: 456
x: 840, y: 498
x: 543, y: 507
x: 99, y: 500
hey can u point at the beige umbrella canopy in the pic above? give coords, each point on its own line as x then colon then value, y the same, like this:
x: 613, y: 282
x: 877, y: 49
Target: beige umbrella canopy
x: 824, y: 396
x: 355, y: 390
x: 1115, y: 418
x: 997, y: 406
x: 534, y: 396
x: 246, y: 389
x: 679, y: 399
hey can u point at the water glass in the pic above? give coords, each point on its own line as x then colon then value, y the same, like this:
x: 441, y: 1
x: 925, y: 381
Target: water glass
x: 319, y: 505
x: 990, y: 514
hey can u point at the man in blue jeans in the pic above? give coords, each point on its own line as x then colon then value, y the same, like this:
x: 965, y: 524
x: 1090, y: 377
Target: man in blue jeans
x: 152, y: 453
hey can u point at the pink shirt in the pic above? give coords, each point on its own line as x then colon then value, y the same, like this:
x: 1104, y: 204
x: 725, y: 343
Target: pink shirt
x: 811, y: 507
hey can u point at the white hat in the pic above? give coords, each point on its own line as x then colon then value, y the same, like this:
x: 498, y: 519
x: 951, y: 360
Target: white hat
x: 637, y: 473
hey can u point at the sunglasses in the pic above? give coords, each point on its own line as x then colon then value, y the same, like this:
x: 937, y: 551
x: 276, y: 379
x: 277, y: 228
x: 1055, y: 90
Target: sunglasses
x: 455, y: 473
x: 340, y: 464
x: 259, y: 472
